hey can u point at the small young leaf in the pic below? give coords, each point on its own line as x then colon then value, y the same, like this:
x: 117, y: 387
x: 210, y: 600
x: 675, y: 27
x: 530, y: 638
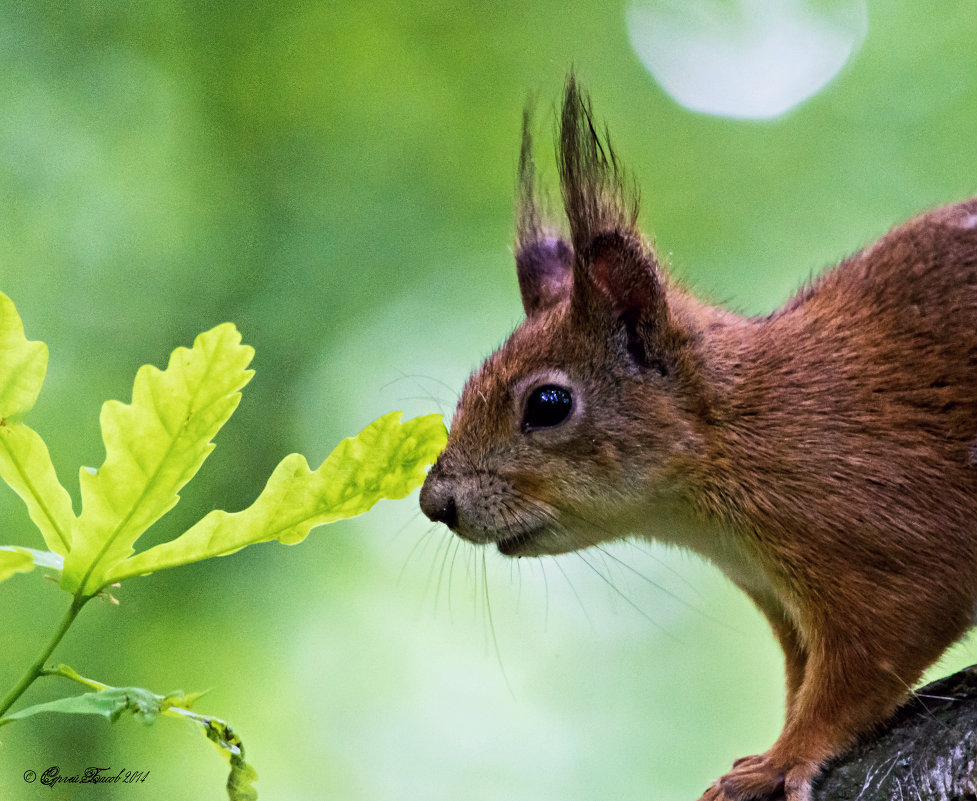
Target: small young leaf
x: 240, y: 780
x: 14, y: 559
x: 153, y: 446
x: 25, y: 465
x: 386, y: 460
x: 22, y: 364
x: 242, y: 775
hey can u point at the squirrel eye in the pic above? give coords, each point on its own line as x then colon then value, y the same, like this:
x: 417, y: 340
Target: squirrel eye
x: 547, y: 406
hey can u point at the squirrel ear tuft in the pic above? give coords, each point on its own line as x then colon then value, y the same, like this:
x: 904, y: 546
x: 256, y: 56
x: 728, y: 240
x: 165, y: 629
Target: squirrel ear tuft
x: 543, y: 261
x: 615, y: 276
x: 598, y: 194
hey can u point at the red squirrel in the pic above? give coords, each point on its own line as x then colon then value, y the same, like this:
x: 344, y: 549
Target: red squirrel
x: 823, y: 455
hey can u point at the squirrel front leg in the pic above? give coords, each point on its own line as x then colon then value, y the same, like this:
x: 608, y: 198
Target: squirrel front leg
x: 795, y: 662
x: 844, y: 691
x: 795, y: 655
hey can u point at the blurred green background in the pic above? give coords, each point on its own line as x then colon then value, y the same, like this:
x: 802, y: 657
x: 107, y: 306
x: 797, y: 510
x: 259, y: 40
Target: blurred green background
x: 337, y: 180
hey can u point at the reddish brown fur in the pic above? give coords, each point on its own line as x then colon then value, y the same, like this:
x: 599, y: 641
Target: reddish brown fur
x: 822, y: 455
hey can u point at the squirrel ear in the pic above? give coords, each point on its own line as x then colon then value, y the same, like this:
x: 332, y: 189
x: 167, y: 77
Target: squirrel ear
x: 617, y: 269
x: 544, y: 270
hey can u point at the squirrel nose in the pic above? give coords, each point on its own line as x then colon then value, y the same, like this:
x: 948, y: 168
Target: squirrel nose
x: 438, y: 503
x: 446, y: 513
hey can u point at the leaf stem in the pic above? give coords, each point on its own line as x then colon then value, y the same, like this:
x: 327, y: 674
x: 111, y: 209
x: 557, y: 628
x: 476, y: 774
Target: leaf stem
x: 37, y: 668
x: 66, y: 672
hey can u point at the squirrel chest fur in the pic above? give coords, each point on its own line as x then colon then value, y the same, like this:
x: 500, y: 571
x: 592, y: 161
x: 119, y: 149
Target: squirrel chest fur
x: 823, y: 456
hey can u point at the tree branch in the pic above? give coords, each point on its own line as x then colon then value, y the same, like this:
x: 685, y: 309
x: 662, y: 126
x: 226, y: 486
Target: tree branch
x: 926, y: 752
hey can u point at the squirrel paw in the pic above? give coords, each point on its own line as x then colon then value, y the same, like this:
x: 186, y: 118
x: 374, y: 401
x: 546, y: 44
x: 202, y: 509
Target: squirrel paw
x: 753, y: 777
x: 757, y: 778
x: 714, y: 793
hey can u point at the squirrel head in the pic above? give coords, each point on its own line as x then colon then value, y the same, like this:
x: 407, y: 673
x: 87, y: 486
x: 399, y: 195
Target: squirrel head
x: 584, y: 417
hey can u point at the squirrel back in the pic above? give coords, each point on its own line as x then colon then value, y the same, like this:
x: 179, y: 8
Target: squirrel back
x: 823, y: 455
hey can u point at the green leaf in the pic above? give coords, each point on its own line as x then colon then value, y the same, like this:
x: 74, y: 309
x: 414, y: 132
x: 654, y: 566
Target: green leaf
x: 24, y: 461
x: 25, y: 465
x: 242, y: 775
x: 14, y: 559
x: 22, y: 364
x: 388, y: 459
x: 109, y: 703
x: 153, y: 446
x: 113, y: 702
